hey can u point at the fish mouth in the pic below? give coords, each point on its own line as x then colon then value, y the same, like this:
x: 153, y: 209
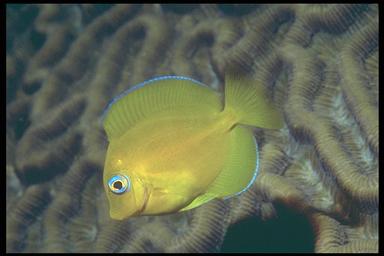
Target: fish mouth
x: 119, y: 216
x: 116, y: 216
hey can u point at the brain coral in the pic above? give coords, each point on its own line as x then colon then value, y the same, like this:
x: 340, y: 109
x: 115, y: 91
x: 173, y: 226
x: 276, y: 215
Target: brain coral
x: 65, y: 62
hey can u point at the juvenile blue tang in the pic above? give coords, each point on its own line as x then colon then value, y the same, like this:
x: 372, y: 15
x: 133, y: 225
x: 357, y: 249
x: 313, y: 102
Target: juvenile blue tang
x: 173, y: 144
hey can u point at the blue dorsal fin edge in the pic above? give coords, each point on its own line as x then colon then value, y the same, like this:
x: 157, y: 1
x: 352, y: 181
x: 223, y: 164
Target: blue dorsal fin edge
x: 140, y: 85
x: 256, y: 172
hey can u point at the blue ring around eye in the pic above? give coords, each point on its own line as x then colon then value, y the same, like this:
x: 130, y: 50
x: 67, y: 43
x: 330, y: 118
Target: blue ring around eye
x: 125, y: 184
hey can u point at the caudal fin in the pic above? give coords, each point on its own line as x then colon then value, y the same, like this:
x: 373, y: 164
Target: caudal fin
x: 248, y: 101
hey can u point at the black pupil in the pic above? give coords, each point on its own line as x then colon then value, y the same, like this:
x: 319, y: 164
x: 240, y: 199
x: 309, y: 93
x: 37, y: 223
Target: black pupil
x: 117, y: 185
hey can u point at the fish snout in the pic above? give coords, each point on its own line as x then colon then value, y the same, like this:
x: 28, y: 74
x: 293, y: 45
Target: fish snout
x: 121, y: 215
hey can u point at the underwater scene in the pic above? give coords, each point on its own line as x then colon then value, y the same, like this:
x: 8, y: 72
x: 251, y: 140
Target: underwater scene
x: 177, y: 128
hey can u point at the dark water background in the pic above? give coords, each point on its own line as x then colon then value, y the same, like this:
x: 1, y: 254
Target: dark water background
x: 289, y: 231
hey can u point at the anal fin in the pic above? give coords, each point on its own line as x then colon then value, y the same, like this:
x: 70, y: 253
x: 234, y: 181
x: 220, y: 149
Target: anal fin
x: 240, y: 168
x: 202, y: 199
x: 241, y: 165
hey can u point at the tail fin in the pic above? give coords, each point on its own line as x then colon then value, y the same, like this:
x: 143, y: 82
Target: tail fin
x: 248, y: 101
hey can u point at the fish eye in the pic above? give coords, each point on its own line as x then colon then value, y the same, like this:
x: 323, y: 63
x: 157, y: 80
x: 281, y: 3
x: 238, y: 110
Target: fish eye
x: 119, y: 184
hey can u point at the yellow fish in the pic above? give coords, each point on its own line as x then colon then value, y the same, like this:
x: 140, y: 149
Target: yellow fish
x: 173, y: 145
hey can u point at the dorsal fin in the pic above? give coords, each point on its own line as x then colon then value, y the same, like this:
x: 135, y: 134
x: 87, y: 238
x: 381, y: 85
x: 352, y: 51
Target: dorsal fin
x: 156, y: 96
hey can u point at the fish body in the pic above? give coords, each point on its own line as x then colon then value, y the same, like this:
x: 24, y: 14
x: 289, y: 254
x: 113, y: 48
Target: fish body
x: 173, y: 145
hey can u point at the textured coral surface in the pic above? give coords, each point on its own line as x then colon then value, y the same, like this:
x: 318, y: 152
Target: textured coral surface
x: 65, y: 62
